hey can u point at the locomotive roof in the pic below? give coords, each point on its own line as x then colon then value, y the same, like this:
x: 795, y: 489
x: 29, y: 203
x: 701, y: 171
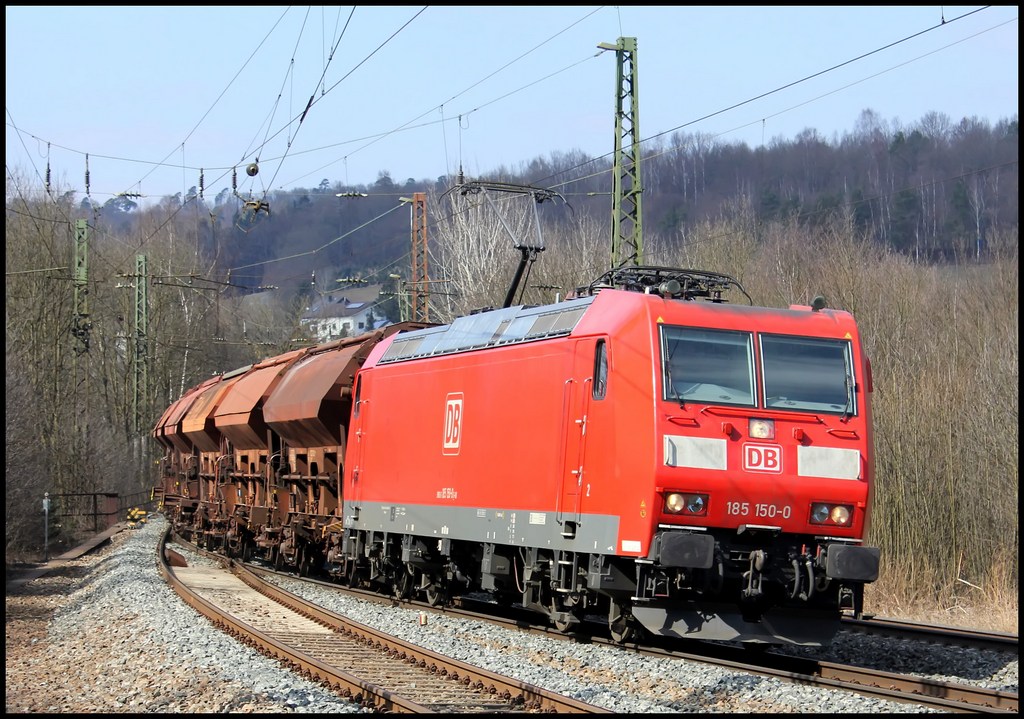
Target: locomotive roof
x: 509, y: 325
x: 521, y: 324
x: 515, y: 325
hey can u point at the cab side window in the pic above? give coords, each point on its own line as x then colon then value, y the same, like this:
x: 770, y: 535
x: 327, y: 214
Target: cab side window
x: 600, y: 387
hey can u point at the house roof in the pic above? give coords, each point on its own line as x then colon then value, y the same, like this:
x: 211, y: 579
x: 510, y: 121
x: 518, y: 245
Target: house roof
x: 358, y: 293
x: 343, y: 303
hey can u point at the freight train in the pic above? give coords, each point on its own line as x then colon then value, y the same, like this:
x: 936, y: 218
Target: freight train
x: 644, y: 453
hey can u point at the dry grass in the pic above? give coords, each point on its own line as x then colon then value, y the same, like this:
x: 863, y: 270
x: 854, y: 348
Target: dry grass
x: 992, y: 608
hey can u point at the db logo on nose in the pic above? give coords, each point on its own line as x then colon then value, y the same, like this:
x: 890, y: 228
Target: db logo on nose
x: 762, y: 458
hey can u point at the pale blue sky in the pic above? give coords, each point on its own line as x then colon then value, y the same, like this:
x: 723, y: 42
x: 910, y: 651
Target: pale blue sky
x: 152, y: 95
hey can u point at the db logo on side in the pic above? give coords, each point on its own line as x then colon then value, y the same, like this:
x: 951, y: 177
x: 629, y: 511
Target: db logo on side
x: 762, y: 458
x: 452, y: 423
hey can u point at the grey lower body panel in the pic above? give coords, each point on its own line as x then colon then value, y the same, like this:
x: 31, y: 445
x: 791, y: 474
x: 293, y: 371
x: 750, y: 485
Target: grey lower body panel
x: 594, y: 533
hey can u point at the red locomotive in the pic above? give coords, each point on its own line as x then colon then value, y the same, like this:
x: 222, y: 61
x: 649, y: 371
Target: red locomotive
x: 644, y: 452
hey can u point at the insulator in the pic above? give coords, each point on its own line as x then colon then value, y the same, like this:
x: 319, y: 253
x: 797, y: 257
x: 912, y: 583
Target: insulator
x: 252, y: 170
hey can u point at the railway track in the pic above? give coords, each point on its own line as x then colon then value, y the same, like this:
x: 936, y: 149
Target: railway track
x: 376, y: 670
x: 916, y: 631
x: 944, y: 696
x: 906, y: 688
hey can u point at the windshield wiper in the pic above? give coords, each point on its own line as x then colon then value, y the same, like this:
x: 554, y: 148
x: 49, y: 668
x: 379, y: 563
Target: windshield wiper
x: 673, y: 394
x: 848, y: 409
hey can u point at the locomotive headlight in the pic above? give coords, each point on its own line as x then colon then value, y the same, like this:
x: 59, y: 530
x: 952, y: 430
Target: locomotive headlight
x: 674, y: 503
x: 831, y: 514
x: 840, y: 515
x: 761, y: 428
x: 686, y: 503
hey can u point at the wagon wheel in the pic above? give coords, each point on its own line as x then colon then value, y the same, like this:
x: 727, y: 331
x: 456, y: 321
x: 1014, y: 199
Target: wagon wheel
x: 622, y: 630
x: 621, y: 624
x: 559, y: 609
x: 278, y: 558
x: 348, y: 573
x: 434, y: 594
x: 305, y: 561
x: 403, y: 583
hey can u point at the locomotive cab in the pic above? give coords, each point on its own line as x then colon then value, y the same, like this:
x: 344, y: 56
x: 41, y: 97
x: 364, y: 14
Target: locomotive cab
x: 765, y: 478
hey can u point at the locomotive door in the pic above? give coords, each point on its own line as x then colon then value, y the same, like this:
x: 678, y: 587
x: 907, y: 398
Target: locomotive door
x: 356, y: 445
x: 575, y: 405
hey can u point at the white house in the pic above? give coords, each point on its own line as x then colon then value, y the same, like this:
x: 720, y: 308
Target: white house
x: 344, y: 313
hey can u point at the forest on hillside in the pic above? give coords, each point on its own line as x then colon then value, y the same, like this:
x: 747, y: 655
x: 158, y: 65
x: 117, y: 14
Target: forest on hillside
x: 931, y: 190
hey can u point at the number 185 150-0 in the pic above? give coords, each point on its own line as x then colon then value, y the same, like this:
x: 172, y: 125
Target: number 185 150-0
x: 765, y: 511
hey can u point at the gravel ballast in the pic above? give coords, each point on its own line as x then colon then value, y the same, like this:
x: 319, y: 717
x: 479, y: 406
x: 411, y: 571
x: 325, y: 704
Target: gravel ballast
x: 106, y: 634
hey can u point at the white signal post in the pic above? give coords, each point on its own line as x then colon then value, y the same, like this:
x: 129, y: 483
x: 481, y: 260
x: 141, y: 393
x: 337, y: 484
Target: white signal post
x: 46, y: 526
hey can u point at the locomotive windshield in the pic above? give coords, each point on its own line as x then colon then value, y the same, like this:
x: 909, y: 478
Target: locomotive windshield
x: 809, y: 374
x: 805, y: 374
x: 708, y: 366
